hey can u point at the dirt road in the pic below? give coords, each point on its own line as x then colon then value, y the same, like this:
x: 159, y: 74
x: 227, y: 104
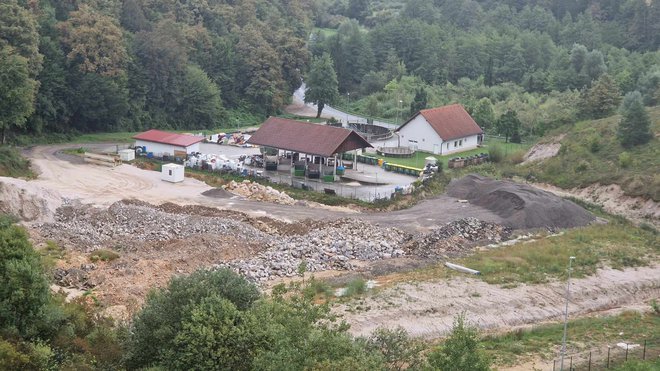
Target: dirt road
x: 101, y: 186
x: 428, y: 309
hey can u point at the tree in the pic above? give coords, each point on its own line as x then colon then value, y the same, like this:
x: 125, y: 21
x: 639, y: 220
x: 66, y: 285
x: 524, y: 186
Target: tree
x: 18, y: 29
x: 398, y: 349
x: 215, y: 335
x: 483, y: 113
x: 17, y: 90
x: 201, y: 107
x: 602, y: 99
x: 634, y: 127
x: 460, y: 351
x: 419, y: 102
x: 509, y: 125
x: 24, y: 291
x: 95, y: 42
x: 358, y: 9
x: 322, y: 87
x: 156, y: 327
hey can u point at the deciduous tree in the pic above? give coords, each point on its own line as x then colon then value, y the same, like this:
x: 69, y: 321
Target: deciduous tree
x: 321, y: 83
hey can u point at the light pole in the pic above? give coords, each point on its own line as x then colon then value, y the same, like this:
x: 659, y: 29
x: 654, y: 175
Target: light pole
x: 348, y: 95
x: 398, y: 136
x: 568, y: 293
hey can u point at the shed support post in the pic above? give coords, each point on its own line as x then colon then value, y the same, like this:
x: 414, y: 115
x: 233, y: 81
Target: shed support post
x: 334, y: 169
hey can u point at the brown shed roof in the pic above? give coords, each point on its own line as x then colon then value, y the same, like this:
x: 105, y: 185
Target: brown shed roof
x: 450, y: 122
x: 313, y: 139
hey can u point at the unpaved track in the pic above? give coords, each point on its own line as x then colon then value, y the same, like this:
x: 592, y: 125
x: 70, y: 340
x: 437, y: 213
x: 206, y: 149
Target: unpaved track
x: 428, y: 309
x: 102, y: 186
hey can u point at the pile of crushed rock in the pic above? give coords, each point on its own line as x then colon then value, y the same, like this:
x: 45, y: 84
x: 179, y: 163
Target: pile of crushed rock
x: 258, y: 192
x: 126, y: 224
x: 333, y: 246
x: 456, y: 238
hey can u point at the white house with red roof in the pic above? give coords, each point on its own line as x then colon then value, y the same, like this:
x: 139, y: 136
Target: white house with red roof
x: 441, y: 131
x: 165, y: 143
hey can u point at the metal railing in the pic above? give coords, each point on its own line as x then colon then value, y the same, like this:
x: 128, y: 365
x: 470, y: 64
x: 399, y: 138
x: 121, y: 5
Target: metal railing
x: 610, y: 356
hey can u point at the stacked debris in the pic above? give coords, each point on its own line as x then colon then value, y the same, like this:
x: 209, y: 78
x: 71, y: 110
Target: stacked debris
x: 336, y: 245
x: 77, y: 278
x: 258, y: 192
x: 129, y: 223
x: 456, y: 238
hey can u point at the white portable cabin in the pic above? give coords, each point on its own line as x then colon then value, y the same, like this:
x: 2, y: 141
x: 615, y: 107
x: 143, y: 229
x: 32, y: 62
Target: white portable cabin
x: 127, y: 155
x: 172, y: 173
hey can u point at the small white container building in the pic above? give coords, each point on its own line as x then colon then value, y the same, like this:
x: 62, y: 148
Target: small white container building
x: 172, y: 173
x: 127, y: 155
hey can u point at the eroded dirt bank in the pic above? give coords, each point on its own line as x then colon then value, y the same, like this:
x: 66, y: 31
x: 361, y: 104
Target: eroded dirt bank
x: 428, y: 309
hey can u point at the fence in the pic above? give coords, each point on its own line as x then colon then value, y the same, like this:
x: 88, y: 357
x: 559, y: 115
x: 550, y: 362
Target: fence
x: 613, y: 355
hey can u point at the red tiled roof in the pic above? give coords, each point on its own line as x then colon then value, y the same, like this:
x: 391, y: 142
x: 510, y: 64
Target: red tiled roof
x: 180, y: 140
x: 450, y: 122
x: 313, y: 139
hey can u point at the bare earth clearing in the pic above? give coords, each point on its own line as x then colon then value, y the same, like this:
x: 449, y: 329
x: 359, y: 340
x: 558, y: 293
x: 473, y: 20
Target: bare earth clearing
x: 176, y: 229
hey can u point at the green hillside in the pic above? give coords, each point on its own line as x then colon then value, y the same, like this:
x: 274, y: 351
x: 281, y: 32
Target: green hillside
x: 590, y: 153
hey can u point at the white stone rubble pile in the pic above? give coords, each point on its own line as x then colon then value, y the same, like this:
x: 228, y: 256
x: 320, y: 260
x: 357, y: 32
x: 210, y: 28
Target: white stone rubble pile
x: 333, y: 246
x: 127, y: 225
x: 258, y: 192
x: 456, y: 238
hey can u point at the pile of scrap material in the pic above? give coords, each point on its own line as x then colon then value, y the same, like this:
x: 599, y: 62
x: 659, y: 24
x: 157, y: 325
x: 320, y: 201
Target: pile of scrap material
x: 258, y: 192
x: 456, y: 238
x: 520, y: 205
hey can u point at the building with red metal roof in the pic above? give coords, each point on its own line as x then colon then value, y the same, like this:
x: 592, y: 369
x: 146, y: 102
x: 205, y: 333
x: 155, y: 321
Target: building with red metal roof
x: 165, y: 143
x: 442, y: 130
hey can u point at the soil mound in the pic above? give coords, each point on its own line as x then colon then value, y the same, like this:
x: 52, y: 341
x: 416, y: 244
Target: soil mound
x: 27, y: 201
x: 521, y: 206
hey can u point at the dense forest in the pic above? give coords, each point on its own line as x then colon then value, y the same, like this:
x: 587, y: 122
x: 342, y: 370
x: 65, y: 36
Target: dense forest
x: 548, y: 62
x: 110, y: 65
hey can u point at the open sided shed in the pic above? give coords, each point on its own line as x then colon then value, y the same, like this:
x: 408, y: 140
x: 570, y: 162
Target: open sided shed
x: 305, y: 138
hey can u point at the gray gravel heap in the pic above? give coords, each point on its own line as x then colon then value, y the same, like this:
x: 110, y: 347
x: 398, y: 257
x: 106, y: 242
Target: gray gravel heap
x: 90, y: 228
x: 456, y: 238
x: 333, y: 246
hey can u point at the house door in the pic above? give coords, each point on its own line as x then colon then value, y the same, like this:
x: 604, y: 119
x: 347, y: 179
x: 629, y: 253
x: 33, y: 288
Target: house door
x: 436, y: 149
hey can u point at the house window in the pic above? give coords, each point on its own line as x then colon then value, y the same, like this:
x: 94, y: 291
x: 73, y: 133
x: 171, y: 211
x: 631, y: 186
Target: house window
x: 460, y: 142
x: 455, y: 143
x: 170, y: 171
x: 447, y: 145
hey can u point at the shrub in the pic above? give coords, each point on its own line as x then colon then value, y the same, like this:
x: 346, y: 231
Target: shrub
x: 103, y: 255
x: 357, y: 286
x: 583, y: 165
x: 461, y: 351
x: 625, y: 160
x: 496, y: 153
x: 594, y: 144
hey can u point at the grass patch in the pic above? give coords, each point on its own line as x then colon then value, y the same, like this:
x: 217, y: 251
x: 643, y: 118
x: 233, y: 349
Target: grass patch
x: 13, y: 164
x: 584, y: 334
x: 51, y: 253
x: 590, y: 153
x: 357, y: 286
x: 617, y: 244
x: 103, y: 255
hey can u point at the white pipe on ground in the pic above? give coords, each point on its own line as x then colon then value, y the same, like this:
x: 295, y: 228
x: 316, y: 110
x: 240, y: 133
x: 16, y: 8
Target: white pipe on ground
x: 461, y: 268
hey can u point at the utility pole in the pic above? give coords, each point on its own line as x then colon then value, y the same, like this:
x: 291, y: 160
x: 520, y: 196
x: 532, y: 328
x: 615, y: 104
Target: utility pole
x: 568, y: 293
x: 348, y: 95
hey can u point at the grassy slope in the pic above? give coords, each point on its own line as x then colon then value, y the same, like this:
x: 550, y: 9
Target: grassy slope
x: 578, y: 165
x: 12, y: 164
x: 586, y: 333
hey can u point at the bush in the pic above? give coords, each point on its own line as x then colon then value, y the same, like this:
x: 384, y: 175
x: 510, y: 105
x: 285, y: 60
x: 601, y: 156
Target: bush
x: 103, y: 255
x: 461, y: 351
x: 625, y: 160
x: 583, y: 165
x: 357, y: 286
x: 495, y: 153
x: 156, y: 327
x: 594, y: 144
